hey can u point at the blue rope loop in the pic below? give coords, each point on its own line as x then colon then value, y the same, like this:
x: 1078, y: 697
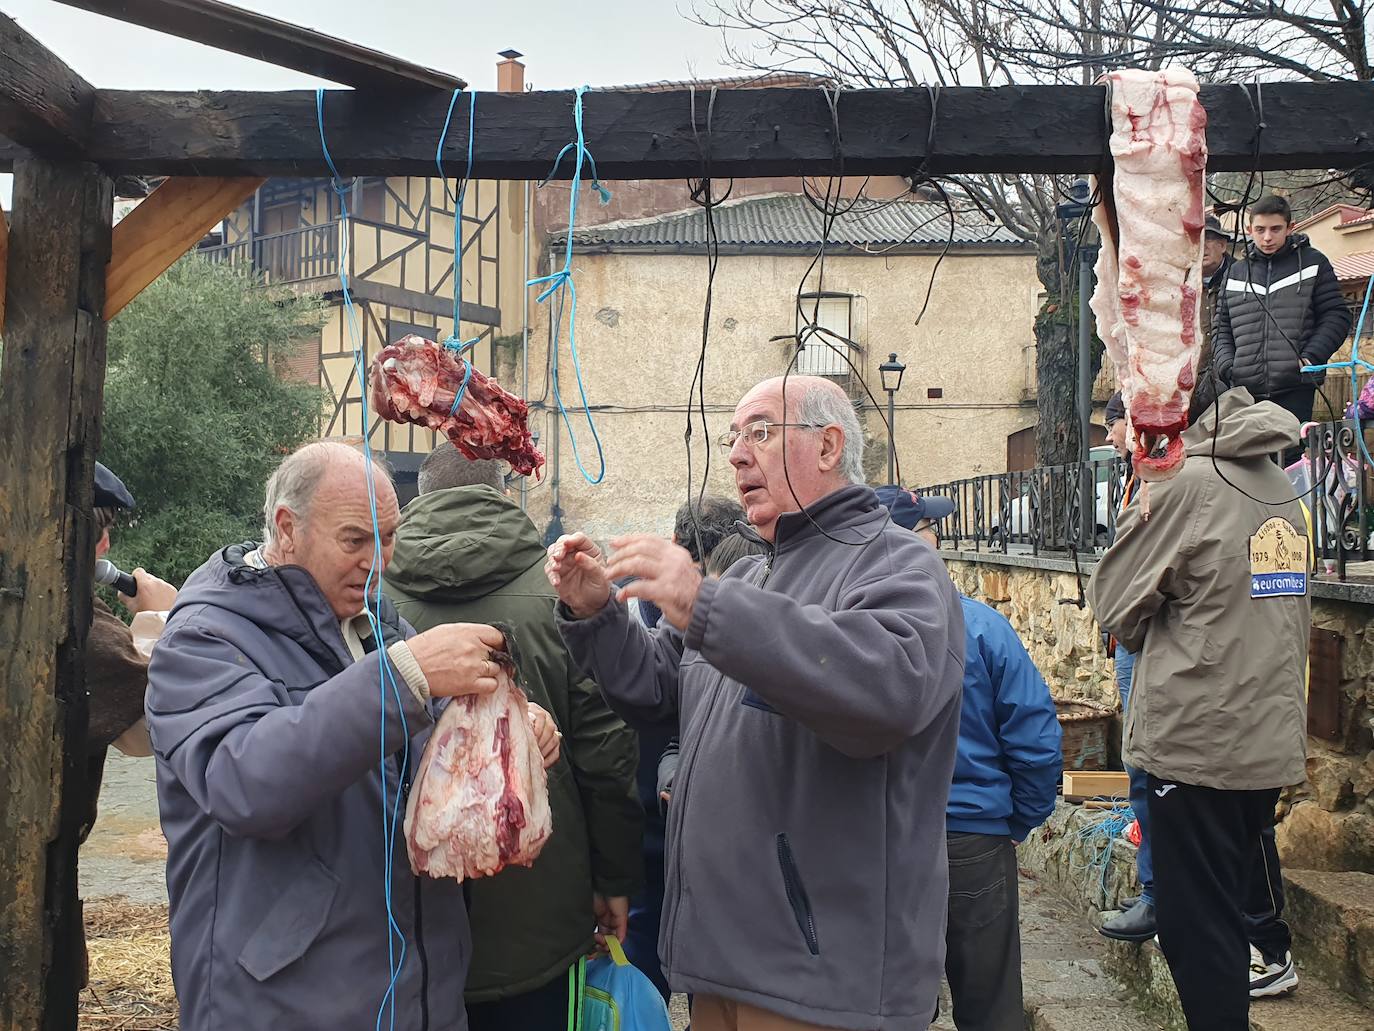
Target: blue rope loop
x: 453, y: 342
x: 1355, y: 364
x: 561, y: 282
x: 372, y: 605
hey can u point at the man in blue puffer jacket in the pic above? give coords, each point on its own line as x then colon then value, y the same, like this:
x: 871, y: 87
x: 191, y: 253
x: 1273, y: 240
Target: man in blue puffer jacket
x: 1005, y: 775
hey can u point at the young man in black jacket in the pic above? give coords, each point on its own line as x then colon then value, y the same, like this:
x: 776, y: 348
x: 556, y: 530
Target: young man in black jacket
x: 1280, y: 309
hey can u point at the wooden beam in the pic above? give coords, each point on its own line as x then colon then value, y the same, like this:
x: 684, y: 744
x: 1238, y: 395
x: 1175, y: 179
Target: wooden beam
x: 413, y: 300
x: 225, y: 27
x: 763, y: 132
x: 51, y: 388
x: 172, y: 220
x: 44, y: 105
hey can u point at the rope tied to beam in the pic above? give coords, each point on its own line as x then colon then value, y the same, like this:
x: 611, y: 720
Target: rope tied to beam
x: 452, y: 341
x: 561, y: 283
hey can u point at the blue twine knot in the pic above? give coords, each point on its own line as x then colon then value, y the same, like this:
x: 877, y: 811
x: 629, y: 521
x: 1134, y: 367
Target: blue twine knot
x: 562, y: 280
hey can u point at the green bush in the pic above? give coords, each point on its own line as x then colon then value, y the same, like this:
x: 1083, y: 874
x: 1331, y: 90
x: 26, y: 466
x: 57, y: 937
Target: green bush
x: 197, y: 413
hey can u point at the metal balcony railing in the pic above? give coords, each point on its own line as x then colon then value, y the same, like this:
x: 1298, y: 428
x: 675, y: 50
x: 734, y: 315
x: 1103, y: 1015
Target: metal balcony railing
x: 1073, y: 507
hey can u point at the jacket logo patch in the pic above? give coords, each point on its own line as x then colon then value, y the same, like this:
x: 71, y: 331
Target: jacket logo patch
x: 1278, y: 561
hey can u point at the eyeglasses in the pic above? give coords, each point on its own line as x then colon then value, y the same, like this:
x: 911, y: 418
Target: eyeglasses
x: 756, y: 433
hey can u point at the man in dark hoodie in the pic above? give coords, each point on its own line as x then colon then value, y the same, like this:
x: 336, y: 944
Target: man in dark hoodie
x: 466, y: 553
x: 1280, y: 309
x: 285, y: 735
x: 818, y: 689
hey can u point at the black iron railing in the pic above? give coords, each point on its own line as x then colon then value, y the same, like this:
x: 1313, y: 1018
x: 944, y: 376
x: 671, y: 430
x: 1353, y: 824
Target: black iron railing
x: 1072, y: 508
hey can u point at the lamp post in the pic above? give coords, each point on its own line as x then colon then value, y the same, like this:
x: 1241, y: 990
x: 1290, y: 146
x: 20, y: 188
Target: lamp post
x: 891, y: 372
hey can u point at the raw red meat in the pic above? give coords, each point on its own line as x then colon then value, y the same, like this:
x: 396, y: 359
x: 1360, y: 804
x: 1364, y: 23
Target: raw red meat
x: 1149, y: 270
x: 481, y: 800
x: 415, y: 380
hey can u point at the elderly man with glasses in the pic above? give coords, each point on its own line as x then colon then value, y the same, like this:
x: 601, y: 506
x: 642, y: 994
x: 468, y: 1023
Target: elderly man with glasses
x: 818, y: 691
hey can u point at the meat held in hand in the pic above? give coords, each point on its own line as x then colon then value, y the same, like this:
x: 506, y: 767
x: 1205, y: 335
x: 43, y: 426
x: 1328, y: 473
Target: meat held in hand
x: 481, y: 800
x: 415, y: 380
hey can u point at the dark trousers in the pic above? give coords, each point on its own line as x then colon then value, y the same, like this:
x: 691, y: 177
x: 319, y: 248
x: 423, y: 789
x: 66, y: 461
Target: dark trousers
x: 983, y: 939
x: 1204, y: 843
x: 543, y: 1009
x: 1264, y: 924
x: 1300, y: 402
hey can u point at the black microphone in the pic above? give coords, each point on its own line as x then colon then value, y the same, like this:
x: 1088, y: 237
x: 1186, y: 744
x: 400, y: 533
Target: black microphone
x: 106, y: 572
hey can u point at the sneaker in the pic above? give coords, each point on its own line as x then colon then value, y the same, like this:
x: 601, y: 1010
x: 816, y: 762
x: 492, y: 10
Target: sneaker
x: 1270, y: 979
x: 1137, y: 924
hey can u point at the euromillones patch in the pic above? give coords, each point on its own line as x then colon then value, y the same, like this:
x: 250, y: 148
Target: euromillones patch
x: 1278, y: 561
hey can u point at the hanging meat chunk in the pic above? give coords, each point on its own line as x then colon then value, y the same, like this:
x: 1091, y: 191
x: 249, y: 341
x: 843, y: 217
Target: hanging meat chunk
x: 481, y: 800
x: 415, y: 380
x: 1149, y: 271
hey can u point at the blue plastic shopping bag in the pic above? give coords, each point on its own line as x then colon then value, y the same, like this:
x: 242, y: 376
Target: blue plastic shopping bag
x: 616, y: 996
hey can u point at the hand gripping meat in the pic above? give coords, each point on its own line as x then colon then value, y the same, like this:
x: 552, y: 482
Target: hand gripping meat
x: 481, y: 800
x: 1149, y: 270
x: 415, y: 380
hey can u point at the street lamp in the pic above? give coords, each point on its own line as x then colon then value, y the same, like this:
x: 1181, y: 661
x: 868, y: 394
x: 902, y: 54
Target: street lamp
x: 891, y: 372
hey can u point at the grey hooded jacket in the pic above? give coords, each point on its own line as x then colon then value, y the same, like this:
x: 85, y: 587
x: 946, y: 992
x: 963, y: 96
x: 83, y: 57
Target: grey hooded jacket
x: 268, y: 739
x: 818, y: 690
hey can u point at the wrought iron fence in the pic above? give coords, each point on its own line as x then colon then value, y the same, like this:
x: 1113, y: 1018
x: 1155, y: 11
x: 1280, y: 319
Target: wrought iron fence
x: 1072, y: 508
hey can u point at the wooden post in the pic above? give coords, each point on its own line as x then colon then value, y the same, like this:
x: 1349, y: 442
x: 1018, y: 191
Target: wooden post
x: 51, y: 386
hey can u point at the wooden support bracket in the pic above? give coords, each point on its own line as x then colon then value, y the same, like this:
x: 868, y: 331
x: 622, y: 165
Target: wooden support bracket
x: 150, y: 239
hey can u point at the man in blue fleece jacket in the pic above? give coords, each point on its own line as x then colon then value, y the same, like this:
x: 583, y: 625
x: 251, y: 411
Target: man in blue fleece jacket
x: 1005, y: 774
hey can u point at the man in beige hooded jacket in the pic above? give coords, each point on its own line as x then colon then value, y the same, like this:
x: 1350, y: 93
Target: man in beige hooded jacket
x: 1209, y: 584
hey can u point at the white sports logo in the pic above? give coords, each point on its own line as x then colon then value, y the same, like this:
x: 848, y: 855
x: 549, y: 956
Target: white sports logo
x: 1161, y: 792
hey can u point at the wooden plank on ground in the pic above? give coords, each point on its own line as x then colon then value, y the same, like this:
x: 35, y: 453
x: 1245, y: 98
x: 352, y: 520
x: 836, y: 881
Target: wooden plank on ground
x: 44, y: 105
x: 240, y: 31
x: 1081, y: 784
x: 172, y: 220
x: 51, y: 388
x: 758, y: 132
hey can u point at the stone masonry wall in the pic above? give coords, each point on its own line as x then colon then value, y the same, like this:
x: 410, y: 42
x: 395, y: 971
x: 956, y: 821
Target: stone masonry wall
x: 1326, y: 823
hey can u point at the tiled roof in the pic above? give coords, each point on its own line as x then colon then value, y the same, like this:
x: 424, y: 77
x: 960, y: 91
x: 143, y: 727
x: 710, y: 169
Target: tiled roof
x: 783, y: 221
x: 757, y: 80
x: 1354, y: 266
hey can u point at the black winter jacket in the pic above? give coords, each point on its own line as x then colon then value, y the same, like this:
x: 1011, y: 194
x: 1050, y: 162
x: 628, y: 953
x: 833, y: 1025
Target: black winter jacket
x: 1276, y: 313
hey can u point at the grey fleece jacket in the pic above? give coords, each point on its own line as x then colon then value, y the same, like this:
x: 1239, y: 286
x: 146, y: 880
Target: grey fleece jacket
x: 270, y: 779
x: 818, y: 691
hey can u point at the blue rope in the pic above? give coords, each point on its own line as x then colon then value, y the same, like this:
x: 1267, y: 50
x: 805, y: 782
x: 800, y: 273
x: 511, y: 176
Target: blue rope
x: 562, y: 281
x: 1354, y: 365
x: 372, y: 596
x: 1101, y: 835
x: 452, y: 342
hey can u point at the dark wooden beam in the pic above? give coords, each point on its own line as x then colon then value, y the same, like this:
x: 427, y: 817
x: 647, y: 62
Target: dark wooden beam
x: 764, y: 132
x: 4, y: 261
x: 226, y: 27
x: 413, y: 300
x: 51, y: 388
x: 44, y: 105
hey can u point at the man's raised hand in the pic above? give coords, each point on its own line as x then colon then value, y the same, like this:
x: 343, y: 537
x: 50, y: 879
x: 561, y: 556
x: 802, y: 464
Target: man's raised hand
x: 663, y: 573
x: 576, y: 571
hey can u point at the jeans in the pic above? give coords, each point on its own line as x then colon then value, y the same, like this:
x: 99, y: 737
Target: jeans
x: 983, y: 937
x: 1144, y: 859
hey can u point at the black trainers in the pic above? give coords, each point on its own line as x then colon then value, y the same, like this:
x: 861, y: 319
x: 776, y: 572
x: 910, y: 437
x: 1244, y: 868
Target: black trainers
x: 1269, y: 979
x: 1136, y: 924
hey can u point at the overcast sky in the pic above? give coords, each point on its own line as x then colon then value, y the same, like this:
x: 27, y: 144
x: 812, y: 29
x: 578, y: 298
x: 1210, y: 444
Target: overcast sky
x: 565, y: 43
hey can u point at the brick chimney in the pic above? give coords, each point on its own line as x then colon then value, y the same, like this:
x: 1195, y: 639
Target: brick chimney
x: 510, y: 73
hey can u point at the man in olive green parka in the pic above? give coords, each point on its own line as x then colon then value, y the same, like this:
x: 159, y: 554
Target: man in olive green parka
x: 465, y: 552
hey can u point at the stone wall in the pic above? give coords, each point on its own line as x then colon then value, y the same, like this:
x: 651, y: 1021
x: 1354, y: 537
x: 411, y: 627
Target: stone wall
x: 1326, y: 823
